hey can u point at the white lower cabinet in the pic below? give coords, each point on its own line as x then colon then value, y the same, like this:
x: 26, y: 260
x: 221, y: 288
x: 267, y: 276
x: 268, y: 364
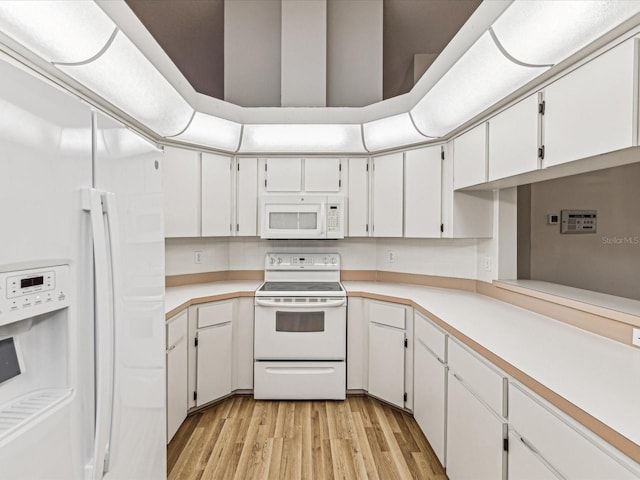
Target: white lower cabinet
x: 390, y: 353
x: 526, y: 464
x: 567, y: 447
x: 214, y: 363
x: 429, y: 396
x: 177, y: 385
x: 475, y: 436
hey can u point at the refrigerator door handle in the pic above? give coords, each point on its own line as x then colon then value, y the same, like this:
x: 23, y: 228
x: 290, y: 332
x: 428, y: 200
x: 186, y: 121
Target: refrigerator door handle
x: 94, y: 201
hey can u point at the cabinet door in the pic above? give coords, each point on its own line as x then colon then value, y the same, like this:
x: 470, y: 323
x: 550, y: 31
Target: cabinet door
x: 470, y: 157
x: 358, y: 204
x: 214, y: 363
x: 591, y: 110
x: 474, y: 437
x: 181, y: 177
x: 284, y: 174
x: 242, y: 367
x: 322, y: 175
x: 177, y: 388
x: 422, y: 192
x: 464, y: 214
x: 388, y: 196
x: 524, y: 464
x: 247, y: 197
x: 386, y: 363
x: 513, y: 140
x: 429, y: 397
x: 216, y: 195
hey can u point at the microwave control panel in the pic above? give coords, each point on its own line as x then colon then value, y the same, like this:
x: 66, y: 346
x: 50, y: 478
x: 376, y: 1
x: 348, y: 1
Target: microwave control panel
x: 335, y: 217
x: 31, y: 292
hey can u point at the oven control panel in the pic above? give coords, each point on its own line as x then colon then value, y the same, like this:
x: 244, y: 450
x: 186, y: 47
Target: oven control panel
x: 305, y: 261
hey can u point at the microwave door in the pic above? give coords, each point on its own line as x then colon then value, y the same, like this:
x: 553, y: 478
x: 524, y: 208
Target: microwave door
x: 293, y: 221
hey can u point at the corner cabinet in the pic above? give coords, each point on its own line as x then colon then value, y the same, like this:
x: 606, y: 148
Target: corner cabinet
x: 387, y: 195
x: 389, y: 362
x: 216, y: 178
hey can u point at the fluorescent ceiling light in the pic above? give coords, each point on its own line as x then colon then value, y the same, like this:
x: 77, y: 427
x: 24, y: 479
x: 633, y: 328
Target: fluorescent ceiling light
x: 122, y: 143
x: 391, y: 132
x: 126, y: 78
x: 302, y: 139
x: 58, y: 31
x: 212, y: 132
x: 481, y: 78
x: 542, y: 32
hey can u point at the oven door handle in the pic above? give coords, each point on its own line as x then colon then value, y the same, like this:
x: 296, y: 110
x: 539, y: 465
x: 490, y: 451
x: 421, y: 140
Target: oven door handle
x: 327, y: 304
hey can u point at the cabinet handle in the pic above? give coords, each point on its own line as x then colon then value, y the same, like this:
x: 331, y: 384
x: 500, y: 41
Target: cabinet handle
x: 171, y: 348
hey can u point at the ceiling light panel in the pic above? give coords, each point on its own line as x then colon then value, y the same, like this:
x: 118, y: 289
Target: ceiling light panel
x: 213, y: 132
x: 481, y: 78
x: 542, y: 32
x: 123, y: 76
x: 302, y: 138
x: 60, y: 31
x: 391, y: 132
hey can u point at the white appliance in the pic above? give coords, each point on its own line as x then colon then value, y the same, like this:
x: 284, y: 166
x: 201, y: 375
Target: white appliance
x: 300, y: 328
x: 302, y: 216
x: 82, y: 358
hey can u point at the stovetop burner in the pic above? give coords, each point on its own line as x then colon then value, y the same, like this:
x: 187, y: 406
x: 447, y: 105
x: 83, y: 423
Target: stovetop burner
x: 301, y: 287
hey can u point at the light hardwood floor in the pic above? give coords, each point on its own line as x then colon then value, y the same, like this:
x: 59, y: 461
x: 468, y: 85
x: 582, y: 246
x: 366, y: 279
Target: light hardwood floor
x: 242, y: 438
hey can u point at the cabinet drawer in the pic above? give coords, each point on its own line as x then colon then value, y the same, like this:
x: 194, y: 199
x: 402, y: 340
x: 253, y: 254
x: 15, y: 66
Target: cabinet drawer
x: 433, y: 338
x: 387, y: 314
x: 215, y: 313
x: 300, y: 380
x: 479, y: 377
x: 569, y: 451
x: 177, y: 328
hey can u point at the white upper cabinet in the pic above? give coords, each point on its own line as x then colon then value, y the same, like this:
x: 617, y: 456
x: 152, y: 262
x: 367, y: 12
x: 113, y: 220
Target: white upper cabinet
x: 470, y: 157
x: 422, y: 192
x: 322, y: 174
x: 246, y: 211
x: 464, y: 214
x: 513, y: 140
x: 387, y: 195
x: 283, y: 174
x: 181, y: 192
x: 592, y: 110
x: 217, y: 175
x: 358, y: 204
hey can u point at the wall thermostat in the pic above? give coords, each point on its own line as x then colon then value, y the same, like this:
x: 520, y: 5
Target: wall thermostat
x: 579, y: 221
x: 553, y: 218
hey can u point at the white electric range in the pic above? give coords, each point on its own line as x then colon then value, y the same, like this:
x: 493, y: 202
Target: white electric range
x: 300, y: 328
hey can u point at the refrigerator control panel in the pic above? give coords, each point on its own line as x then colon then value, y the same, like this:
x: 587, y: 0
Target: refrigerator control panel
x: 31, y: 292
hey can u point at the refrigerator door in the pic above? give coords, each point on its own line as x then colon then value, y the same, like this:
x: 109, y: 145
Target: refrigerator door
x: 129, y: 168
x: 45, y: 162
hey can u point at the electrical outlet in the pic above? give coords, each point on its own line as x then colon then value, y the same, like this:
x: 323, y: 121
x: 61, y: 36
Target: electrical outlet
x: 391, y: 256
x: 486, y: 264
x: 636, y: 337
x: 197, y: 256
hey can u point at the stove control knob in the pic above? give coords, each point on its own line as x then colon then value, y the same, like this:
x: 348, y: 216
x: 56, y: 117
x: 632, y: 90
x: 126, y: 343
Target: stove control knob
x: 272, y: 260
x: 326, y: 260
x: 279, y: 260
x: 334, y: 260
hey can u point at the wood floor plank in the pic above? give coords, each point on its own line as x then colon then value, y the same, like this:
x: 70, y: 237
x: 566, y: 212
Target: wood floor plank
x: 245, y: 439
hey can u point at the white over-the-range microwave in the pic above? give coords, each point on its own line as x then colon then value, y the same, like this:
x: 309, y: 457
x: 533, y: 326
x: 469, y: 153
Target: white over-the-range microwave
x: 302, y: 216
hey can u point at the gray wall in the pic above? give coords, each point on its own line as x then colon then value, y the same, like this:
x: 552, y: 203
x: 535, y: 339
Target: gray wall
x: 354, y: 52
x: 252, y: 52
x: 608, y: 261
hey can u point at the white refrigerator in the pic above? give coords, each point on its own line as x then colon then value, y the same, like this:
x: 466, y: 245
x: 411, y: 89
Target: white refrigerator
x: 82, y: 335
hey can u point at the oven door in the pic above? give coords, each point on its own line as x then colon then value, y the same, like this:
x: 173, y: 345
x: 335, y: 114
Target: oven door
x: 314, y: 330
x: 293, y: 220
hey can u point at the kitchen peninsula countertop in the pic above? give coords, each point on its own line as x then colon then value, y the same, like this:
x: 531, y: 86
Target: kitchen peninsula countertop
x: 596, y: 374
